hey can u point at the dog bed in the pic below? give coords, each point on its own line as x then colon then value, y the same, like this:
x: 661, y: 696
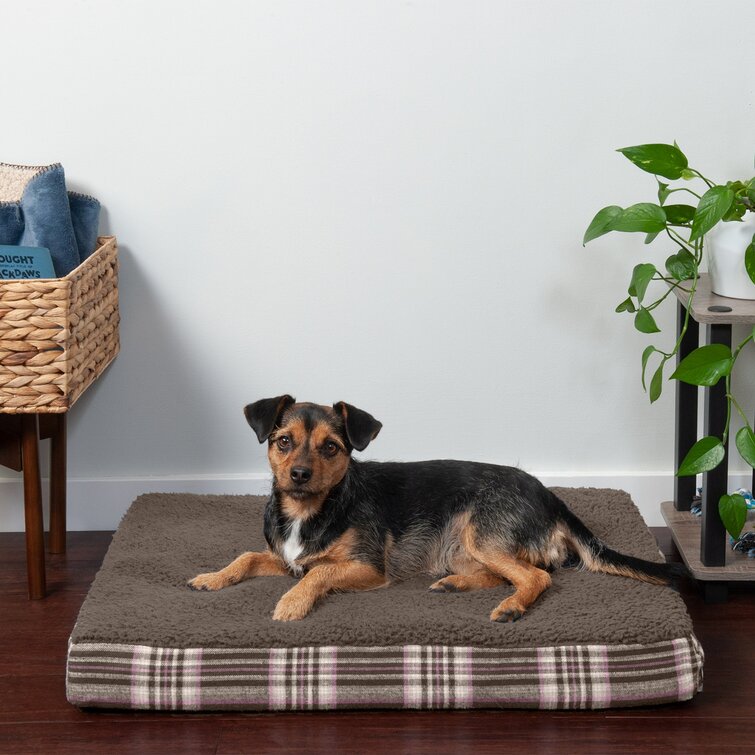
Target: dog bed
x: 144, y: 639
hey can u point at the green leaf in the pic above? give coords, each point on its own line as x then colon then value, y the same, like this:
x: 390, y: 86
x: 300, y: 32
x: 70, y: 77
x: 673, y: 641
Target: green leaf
x: 651, y: 237
x: 626, y: 306
x: 750, y: 260
x: 656, y: 384
x: 641, y: 277
x: 679, y: 214
x: 644, y: 322
x: 645, y: 356
x: 751, y: 190
x: 644, y: 217
x: 660, y: 159
x: 705, y: 455
x: 663, y: 192
x: 602, y: 223
x: 733, y: 512
x: 688, y: 175
x: 713, y: 205
x: 705, y: 366
x: 735, y: 212
x: 746, y: 445
x: 681, y: 266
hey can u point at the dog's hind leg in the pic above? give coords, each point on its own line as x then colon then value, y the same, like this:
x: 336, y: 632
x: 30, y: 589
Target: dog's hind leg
x: 529, y: 581
x: 479, y: 578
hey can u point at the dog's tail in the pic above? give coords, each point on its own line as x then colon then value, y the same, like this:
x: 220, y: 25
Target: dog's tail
x: 596, y: 556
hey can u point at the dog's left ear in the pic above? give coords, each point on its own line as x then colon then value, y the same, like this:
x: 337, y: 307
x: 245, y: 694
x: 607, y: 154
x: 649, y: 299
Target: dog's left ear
x: 263, y: 414
x: 361, y: 427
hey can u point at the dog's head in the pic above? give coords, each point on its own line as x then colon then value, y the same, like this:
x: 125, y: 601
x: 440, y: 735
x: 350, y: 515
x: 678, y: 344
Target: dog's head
x: 309, y: 446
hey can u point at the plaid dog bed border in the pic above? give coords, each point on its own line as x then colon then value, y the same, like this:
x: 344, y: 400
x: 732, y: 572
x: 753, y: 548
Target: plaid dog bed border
x: 413, y: 676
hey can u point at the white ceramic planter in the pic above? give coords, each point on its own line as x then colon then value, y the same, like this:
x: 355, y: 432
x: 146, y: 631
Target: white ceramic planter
x: 726, y: 245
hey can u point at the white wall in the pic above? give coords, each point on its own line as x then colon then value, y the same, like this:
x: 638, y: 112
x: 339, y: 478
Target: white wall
x: 381, y: 202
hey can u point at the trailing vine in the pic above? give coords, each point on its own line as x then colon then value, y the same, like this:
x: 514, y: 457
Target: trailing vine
x: 685, y: 225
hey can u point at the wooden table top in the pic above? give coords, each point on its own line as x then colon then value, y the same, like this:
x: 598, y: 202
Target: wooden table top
x: 741, y: 311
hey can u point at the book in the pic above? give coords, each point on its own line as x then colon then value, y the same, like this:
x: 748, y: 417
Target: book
x: 23, y: 262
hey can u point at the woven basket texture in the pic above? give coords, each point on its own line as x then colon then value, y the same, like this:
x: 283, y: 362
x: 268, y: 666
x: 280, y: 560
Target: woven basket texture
x: 58, y: 335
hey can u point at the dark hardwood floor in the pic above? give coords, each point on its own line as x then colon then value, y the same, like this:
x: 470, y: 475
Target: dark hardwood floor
x: 36, y: 718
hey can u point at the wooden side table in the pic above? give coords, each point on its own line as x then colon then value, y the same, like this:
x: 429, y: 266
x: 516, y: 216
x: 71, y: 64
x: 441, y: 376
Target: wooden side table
x: 57, y: 336
x: 19, y: 450
x: 702, y: 542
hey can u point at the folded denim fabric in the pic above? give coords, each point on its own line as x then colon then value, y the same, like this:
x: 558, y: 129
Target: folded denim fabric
x: 36, y: 210
x: 85, y: 217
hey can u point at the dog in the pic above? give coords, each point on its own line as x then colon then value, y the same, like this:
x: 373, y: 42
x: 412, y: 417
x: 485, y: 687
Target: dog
x: 343, y: 525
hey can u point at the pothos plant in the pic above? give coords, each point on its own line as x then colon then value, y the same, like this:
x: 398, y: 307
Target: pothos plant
x: 685, y: 225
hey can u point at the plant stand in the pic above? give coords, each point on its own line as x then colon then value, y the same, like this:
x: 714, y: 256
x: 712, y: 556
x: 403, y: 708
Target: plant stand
x: 702, y: 542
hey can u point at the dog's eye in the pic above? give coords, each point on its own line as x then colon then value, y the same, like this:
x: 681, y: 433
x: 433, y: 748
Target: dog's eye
x: 284, y: 442
x: 331, y: 448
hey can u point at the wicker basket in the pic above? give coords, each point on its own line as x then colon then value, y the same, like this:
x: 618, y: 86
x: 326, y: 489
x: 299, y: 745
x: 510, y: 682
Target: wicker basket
x: 58, y: 335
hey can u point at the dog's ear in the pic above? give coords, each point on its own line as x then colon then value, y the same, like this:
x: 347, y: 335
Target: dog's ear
x: 361, y: 427
x: 263, y: 414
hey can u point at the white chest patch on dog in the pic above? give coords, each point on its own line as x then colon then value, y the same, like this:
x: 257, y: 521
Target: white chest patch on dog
x: 292, y: 547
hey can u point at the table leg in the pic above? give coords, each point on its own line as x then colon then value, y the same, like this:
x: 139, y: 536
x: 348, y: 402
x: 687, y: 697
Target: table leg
x: 716, y: 482
x: 57, y: 541
x: 686, y: 412
x: 35, y: 545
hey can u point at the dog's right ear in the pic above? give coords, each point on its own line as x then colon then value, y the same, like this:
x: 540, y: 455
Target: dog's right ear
x: 263, y: 414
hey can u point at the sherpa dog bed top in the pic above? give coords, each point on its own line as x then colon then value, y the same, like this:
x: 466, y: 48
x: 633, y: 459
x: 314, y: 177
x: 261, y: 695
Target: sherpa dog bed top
x: 144, y: 639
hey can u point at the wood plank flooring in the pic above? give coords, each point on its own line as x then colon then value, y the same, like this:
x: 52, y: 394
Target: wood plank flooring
x: 36, y: 718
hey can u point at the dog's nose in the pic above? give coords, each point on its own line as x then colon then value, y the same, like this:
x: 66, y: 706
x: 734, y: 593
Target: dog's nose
x: 300, y: 475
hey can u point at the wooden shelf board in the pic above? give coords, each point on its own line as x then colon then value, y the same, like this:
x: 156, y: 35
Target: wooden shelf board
x: 685, y: 529
x: 742, y: 310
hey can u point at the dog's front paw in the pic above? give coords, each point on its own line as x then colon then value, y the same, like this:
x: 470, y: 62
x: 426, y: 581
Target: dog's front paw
x: 291, y: 608
x: 214, y: 580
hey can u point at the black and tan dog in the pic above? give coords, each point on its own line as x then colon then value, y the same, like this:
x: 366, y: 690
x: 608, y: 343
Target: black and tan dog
x: 350, y: 525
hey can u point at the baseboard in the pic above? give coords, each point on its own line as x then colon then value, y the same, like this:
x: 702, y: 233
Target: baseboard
x: 99, y: 504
